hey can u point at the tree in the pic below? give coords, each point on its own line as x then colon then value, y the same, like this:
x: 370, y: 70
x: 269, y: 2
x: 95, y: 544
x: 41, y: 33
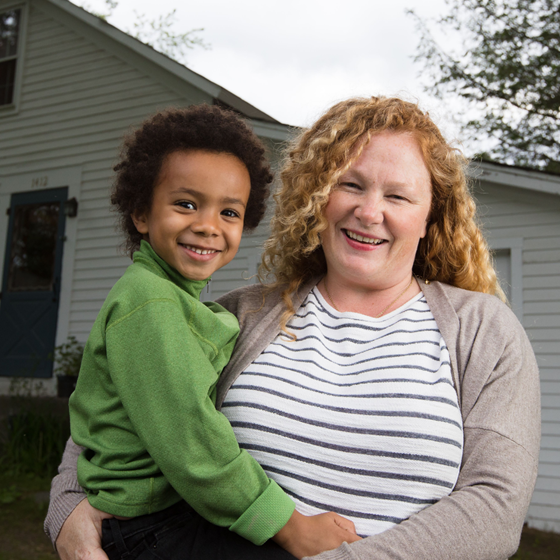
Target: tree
x: 508, y: 68
x: 158, y: 33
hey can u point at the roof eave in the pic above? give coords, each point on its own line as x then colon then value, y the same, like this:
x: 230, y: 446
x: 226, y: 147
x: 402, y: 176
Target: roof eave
x: 511, y: 176
x: 214, y: 90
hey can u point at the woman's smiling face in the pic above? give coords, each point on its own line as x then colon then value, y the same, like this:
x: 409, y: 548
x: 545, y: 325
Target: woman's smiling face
x: 378, y: 213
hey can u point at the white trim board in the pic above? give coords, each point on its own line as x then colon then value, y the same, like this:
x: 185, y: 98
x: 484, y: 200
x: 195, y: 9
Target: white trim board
x: 515, y: 177
x: 70, y: 177
x: 515, y: 246
x: 13, y: 108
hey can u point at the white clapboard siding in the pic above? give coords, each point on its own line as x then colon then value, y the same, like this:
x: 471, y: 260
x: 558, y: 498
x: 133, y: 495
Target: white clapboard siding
x: 80, y: 93
x: 508, y: 213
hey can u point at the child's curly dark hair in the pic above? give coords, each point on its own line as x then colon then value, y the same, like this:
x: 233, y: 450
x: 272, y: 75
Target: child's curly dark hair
x: 199, y: 127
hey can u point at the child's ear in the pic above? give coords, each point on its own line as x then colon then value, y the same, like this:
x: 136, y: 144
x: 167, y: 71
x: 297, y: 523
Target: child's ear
x: 140, y: 220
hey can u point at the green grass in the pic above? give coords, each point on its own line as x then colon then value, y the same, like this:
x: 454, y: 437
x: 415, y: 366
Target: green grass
x: 33, y: 437
x: 23, y: 506
x: 33, y: 432
x: 538, y: 545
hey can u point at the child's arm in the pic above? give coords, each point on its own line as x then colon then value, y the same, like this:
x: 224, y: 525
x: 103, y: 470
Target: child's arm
x: 311, y: 535
x: 163, y: 379
x: 80, y: 536
x: 75, y: 530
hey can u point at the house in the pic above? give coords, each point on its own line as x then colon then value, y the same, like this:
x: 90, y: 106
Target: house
x: 520, y: 213
x: 71, y: 84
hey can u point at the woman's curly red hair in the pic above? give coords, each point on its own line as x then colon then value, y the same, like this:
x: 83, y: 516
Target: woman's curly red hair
x: 454, y: 250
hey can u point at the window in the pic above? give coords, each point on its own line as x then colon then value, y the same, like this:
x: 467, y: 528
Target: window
x: 9, y: 34
x: 508, y: 262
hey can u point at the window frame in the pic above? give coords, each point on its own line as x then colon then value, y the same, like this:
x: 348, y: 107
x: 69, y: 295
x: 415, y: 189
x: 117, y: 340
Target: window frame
x: 13, y: 107
x: 515, y: 247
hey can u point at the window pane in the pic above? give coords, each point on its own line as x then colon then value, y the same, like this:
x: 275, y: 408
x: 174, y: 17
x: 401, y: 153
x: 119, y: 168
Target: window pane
x: 502, y: 264
x: 33, y: 247
x: 9, y: 30
x: 7, y: 80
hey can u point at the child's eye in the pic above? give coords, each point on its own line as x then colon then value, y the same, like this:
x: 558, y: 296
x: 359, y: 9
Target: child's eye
x: 230, y: 213
x: 186, y: 204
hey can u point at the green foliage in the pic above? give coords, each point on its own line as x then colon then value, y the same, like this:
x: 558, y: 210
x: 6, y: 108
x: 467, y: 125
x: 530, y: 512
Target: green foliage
x: 110, y: 7
x: 68, y: 357
x: 9, y: 495
x: 26, y: 387
x: 35, y: 442
x: 159, y: 33
x: 508, y: 68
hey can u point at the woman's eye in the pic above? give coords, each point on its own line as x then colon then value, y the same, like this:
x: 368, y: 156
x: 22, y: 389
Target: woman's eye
x: 349, y: 185
x: 230, y: 213
x: 186, y: 204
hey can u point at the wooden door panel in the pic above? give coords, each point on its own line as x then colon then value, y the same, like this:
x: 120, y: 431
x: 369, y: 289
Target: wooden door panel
x: 31, y: 280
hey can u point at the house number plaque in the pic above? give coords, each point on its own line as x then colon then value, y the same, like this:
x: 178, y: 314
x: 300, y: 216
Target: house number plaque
x: 39, y: 182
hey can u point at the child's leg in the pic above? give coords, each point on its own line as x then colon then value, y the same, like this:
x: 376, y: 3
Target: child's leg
x: 219, y: 543
x: 179, y: 533
x: 147, y: 535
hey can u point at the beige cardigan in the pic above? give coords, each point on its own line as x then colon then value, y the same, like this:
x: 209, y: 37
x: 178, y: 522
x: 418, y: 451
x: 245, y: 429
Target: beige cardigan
x: 496, y: 377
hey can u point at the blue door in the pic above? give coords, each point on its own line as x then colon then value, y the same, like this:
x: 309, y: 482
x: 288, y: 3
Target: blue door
x: 31, y: 283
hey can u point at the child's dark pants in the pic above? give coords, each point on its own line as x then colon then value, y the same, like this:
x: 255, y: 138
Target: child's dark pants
x: 179, y: 533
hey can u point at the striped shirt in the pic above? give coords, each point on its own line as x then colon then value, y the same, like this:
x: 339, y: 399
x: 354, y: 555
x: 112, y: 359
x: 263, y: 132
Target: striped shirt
x: 358, y: 416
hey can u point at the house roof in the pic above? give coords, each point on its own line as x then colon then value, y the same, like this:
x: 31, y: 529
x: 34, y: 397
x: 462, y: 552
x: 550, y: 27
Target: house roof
x: 266, y: 126
x: 513, y: 176
x: 263, y: 124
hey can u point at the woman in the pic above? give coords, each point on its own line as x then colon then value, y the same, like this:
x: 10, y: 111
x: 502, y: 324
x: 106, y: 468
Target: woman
x: 377, y: 376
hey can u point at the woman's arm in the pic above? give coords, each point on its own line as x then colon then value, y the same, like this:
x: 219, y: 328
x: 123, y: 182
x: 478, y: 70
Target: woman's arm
x: 500, y: 400
x: 80, y: 536
x: 66, y: 493
x: 74, y: 526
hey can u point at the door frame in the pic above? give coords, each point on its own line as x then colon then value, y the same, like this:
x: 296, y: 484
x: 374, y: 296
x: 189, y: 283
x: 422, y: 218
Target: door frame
x: 70, y: 177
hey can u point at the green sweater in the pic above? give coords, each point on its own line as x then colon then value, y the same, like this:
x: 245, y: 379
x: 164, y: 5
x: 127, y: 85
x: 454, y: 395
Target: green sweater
x: 144, y: 408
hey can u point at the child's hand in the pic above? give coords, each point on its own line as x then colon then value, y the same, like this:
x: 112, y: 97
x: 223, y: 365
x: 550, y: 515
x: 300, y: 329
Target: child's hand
x: 309, y: 535
x: 80, y: 536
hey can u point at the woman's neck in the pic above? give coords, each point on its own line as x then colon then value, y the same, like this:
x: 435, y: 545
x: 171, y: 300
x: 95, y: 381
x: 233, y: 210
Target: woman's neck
x: 367, y: 300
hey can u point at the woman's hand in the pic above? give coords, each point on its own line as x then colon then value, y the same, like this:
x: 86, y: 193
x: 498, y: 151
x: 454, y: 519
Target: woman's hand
x: 80, y: 536
x: 309, y: 535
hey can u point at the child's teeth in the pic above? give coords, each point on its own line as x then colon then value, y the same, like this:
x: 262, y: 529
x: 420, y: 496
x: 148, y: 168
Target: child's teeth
x: 200, y: 251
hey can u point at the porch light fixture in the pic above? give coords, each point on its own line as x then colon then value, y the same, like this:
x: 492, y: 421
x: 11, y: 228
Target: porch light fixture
x: 71, y: 208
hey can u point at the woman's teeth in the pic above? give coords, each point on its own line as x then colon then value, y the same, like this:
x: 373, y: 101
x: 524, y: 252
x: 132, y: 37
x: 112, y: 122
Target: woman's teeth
x: 363, y: 239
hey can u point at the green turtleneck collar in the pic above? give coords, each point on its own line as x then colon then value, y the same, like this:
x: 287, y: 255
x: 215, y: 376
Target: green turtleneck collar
x: 151, y: 260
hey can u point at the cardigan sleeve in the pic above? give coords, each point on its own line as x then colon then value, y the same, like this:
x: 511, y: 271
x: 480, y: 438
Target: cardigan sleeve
x: 500, y: 401
x: 66, y: 493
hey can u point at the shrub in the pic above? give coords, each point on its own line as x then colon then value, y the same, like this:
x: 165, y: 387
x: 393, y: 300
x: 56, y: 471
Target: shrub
x: 34, y: 443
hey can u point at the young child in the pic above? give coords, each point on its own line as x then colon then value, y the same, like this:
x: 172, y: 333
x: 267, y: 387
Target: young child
x: 157, y: 452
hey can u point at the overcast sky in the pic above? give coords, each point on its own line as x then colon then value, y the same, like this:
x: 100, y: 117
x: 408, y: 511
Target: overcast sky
x: 294, y: 58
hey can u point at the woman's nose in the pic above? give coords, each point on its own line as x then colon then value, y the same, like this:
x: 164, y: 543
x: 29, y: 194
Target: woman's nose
x: 370, y: 211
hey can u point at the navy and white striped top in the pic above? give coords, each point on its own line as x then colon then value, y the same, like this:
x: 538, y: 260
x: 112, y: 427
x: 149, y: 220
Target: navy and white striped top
x: 358, y: 416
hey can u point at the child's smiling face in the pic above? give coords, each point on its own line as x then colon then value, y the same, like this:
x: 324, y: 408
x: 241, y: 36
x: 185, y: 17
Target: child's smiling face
x: 196, y: 218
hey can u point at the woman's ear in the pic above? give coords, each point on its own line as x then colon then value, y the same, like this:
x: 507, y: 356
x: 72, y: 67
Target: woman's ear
x: 140, y: 220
